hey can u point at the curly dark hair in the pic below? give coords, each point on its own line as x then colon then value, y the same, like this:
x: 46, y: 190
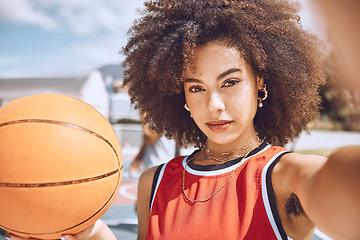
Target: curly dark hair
x: 267, y: 34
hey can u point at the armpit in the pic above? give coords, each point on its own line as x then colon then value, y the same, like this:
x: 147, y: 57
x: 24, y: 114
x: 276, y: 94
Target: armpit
x: 293, y: 206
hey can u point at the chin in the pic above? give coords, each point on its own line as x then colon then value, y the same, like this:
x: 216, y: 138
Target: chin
x: 222, y: 139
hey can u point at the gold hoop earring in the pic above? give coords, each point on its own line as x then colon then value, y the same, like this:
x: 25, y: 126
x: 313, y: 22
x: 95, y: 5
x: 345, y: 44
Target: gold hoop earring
x: 266, y: 93
x: 186, y: 107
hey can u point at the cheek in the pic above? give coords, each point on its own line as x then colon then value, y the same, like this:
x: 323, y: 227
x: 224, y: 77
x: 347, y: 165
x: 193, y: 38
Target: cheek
x: 197, y: 108
x: 193, y: 99
x: 244, y: 98
x: 244, y: 104
x: 189, y: 99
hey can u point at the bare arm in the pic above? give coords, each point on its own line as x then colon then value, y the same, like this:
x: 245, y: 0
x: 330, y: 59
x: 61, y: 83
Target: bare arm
x: 329, y: 190
x: 143, y: 201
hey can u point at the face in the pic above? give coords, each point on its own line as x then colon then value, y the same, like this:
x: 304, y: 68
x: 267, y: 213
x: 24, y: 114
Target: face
x: 221, y: 92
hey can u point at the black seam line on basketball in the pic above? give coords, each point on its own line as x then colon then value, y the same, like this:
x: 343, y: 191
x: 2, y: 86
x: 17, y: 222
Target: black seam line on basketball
x: 63, y: 124
x: 74, y: 226
x: 56, y: 184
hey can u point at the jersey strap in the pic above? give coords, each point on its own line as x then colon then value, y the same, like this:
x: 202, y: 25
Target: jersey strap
x: 268, y: 196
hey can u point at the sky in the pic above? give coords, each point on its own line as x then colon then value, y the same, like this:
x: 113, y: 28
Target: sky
x: 71, y: 38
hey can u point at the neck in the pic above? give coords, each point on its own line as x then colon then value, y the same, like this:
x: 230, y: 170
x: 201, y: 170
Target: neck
x: 234, y: 146
x: 223, y: 156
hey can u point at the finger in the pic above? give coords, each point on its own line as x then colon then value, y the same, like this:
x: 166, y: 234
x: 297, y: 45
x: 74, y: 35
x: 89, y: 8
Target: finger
x: 68, y: 237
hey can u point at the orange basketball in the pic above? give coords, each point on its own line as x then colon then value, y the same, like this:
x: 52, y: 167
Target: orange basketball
x: 61, y: 166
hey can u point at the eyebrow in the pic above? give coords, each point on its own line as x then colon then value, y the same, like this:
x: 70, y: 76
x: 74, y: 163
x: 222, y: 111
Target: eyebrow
x: 222, y: 75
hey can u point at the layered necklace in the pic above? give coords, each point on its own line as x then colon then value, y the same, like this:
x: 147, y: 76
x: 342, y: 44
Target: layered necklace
x: 229, y: 156
x: 223, y: 157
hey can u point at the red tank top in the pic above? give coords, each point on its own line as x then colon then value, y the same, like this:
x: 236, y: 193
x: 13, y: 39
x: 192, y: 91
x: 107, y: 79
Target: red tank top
x: 245, y: 208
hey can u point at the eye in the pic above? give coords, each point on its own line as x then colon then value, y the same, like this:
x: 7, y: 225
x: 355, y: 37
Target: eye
x: 230, y: 82
x: 196, y: 88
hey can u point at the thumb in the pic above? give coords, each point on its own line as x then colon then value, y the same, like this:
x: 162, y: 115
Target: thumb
x: 68, y: 237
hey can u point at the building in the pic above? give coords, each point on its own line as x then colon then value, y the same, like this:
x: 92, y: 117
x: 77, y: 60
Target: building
x: 123, y: 117
x: 120, y: 106
x: 90, y: 89
x: 101, y: 89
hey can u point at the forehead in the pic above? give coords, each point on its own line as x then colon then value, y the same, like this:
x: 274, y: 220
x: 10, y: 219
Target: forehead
x: 214, y: 57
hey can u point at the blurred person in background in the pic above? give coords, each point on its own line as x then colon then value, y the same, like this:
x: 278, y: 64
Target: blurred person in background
x: 155, y: 150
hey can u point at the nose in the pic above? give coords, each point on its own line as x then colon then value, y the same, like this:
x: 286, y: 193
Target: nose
x: 216, y: 103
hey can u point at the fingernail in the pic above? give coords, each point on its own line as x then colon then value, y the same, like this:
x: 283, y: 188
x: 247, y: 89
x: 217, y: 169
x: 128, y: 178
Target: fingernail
x: 63, y: 238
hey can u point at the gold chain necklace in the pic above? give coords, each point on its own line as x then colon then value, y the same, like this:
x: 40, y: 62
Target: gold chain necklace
x: 206, y: 152
x: 214, y: 193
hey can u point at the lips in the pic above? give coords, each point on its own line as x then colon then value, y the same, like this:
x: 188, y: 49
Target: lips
x: 219, y: 126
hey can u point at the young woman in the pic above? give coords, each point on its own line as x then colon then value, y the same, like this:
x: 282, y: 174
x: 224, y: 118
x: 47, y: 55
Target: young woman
x: 237, y: 79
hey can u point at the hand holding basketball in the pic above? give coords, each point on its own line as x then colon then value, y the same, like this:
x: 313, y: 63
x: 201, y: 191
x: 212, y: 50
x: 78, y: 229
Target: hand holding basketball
x: 97, y: 231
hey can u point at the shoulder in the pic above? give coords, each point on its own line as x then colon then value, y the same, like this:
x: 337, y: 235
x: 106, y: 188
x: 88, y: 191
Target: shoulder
x: 145, y: 184
x: 146, y: 179
x: 295, y: 168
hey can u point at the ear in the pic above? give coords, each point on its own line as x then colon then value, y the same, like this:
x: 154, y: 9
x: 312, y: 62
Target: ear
x: 259, y: 82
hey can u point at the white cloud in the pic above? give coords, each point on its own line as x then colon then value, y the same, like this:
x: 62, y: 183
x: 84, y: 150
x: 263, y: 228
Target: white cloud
x: 83, y: 17
x: 105, y: 49
x: 22, y: 11
x: 86, y: 18
x: 110, y: 18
